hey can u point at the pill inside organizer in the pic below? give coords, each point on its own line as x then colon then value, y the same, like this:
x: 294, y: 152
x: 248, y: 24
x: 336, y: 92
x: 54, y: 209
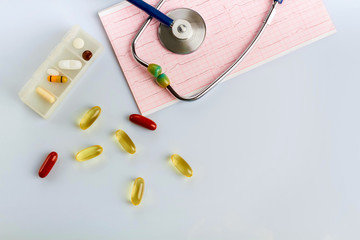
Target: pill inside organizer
x: 45, y: 94
x: 58, y: 79
x: 87, y: 55
x: 70, y: 64
x: 78, y: 43
x: 66, y: 61
x: 52, y: 72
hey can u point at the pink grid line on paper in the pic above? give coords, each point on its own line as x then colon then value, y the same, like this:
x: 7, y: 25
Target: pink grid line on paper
x: 231, y: 25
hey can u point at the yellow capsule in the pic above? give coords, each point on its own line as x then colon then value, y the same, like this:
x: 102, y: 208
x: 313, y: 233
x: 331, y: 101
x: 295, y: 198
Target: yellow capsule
x: 181, y: 165
x: 125, y: 141
x: 90, y: 117
x: 45, y: 94
x: 89, y: 153
x: 137, y: 191
x: 58, y: 79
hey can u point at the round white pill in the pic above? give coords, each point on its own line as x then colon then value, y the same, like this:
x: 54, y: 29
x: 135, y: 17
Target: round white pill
x: 53, y: 72
x: 78, y: 43
x: 70, y: 64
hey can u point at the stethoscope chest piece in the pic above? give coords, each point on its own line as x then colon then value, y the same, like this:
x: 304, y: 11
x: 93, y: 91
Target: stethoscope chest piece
x: 182, y: 31
x: 186, y: 34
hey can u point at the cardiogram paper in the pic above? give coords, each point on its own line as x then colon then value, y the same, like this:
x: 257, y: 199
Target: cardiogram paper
x: 231, y: 25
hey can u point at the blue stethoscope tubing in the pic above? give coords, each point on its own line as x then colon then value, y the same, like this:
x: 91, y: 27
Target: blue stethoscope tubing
x: 154, y: 12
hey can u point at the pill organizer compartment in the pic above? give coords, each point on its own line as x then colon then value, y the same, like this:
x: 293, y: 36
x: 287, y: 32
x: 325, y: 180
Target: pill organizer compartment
x: 88, y: 45
x: 67, y: 55
x: 36, y: 102
x: 63, y: 51
x: 29, y: 95
x: 56, y: 88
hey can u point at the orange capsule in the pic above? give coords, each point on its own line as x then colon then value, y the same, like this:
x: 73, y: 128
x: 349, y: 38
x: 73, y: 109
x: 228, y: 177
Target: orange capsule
x: 143, y: 121
x: 58, y: 79
x: 48, y: 164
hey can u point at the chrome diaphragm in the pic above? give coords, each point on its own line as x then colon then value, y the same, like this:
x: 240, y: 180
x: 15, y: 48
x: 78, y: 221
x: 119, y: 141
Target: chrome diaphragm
x: 186, y: 34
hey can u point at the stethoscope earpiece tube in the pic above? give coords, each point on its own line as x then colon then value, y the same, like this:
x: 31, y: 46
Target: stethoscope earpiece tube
x: 153, y: 12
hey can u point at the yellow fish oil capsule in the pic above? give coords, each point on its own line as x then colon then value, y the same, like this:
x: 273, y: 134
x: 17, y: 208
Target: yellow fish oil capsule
x: 58, y: 79
x: 45, y: 94
x: 137, y: 191
x: 125, y: 141
x: 89, y: 153
x: 90, y: 117
x: 181, y: 165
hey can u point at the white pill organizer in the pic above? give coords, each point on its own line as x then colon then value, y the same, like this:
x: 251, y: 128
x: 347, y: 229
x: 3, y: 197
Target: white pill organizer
x: 65, y: 50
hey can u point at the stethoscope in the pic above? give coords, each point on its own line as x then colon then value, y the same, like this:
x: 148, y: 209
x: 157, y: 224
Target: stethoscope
x: 182, y: 31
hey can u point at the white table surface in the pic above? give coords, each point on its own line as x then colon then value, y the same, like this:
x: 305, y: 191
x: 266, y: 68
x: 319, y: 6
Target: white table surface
x: 275, y: 152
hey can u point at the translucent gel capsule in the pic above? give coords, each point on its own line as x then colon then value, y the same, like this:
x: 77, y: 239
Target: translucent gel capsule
x: 58, y: 79
x: 48, y: 164
x: 125, y: 141
x: 90, y: 117
x: 89, y: 153
x: 143, y: 121
x: 137, y: 191
x: 181, y: 165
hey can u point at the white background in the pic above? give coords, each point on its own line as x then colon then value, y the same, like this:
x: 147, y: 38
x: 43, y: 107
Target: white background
x: 275, y: 152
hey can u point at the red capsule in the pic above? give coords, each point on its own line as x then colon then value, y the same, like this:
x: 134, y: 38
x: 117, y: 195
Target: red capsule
x: 48, y: 164
x: 143, y: 121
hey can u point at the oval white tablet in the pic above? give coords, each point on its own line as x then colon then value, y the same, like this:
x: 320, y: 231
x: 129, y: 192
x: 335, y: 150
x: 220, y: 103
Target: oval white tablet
x: 70, y: 64
x: 78, y: 43
x: 53, y: 72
